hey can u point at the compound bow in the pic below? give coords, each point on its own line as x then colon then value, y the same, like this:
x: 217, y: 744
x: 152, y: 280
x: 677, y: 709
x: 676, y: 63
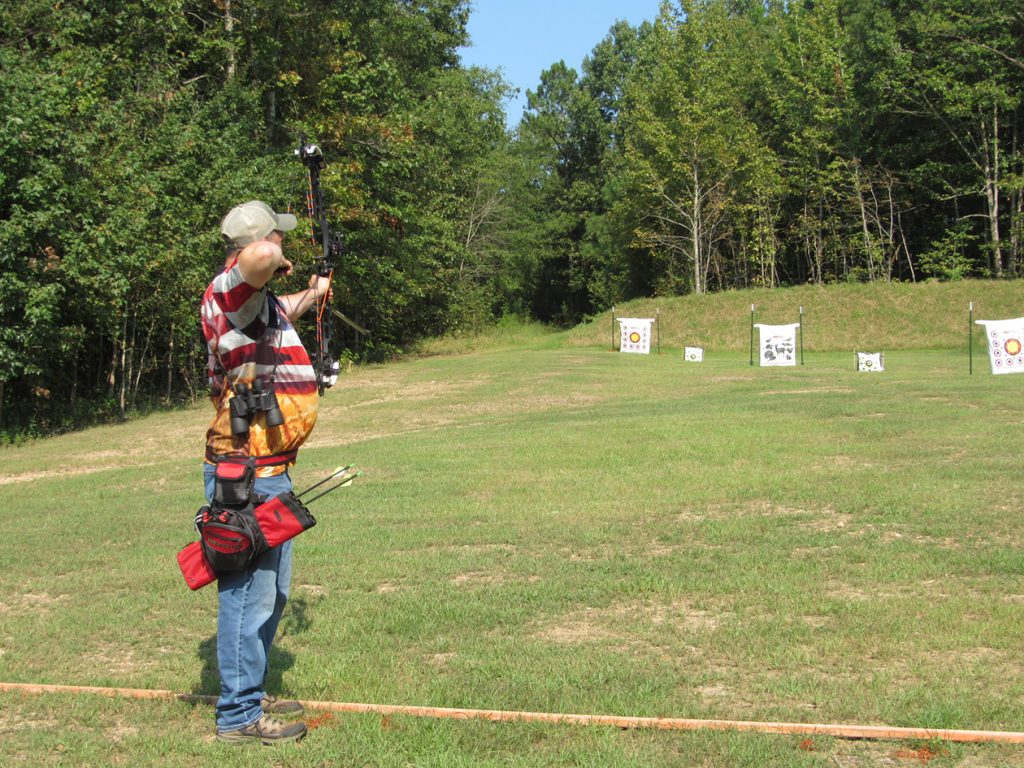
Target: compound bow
x: 330, y: 243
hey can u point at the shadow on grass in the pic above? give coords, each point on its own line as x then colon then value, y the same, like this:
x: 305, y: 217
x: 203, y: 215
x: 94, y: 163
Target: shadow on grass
x: 295, y: 621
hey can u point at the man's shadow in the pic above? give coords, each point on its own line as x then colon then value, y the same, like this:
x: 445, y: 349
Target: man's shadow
x: 295, y: 621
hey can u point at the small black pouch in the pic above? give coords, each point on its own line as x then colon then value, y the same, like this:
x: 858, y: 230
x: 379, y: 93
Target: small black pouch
x: 234, y: 481
x: 231, y: 539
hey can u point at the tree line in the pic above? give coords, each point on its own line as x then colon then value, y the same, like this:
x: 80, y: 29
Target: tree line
x: 725, y: 144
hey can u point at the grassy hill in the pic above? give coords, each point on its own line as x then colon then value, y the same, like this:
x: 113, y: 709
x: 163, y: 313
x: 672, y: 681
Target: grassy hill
x: 878, y: 316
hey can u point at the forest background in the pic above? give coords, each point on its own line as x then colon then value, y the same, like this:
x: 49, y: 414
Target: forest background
x: 728, y: 144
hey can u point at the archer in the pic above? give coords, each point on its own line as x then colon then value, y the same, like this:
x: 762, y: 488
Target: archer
x: 265, y: 392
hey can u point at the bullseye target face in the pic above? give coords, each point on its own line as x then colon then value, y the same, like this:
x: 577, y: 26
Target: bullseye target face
x: 1006, y: 344
x: 870, y: 361
x: 636, y: 335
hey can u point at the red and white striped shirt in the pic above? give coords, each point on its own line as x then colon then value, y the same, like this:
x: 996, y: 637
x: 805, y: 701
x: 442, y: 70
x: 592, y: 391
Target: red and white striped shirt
x: 249, y: 337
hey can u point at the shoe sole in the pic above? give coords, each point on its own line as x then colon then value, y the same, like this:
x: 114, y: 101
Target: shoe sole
x: 229, y: 738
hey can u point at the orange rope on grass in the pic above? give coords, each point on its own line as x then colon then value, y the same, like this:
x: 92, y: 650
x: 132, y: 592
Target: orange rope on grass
x: 617, y: 721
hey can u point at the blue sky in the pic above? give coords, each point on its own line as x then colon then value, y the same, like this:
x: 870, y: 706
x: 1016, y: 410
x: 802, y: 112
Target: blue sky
x: 525, y: 37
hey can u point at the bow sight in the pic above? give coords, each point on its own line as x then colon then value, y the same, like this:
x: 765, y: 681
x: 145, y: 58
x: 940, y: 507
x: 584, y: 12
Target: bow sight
x: 330, y: 245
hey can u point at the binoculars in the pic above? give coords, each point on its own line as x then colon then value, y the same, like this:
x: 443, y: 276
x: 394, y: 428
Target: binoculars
x: 248, y: 401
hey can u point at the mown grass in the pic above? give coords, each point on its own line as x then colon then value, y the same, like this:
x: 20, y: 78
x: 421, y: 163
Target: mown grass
x: 554, y: 528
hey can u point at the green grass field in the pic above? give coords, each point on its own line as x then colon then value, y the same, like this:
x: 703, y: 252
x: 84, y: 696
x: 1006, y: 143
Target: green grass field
x: 545, y: 525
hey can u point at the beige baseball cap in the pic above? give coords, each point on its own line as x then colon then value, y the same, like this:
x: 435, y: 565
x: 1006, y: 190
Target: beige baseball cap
x: 252, y: 221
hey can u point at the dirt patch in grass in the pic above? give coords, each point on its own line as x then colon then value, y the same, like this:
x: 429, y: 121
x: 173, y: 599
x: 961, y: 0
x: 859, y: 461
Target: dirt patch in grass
x: 27, y: 477
x: 827, y: 520
x: 927, y: 590
x: 12, y: 721
x: 527, y: 401
x: 473, y: 549
x: 815, y: 391
x: 657, y: 549
x: 720, y: 697
x: 627, y: 623
x: 392, y: 389
x: 120, y: 731
x: 478, y: 578
x: 450, y: 415
x: 843, y: 461
x: 118, y: 660
x: 440, y: 660
x: 30, y: 602
x: 844, y: 591
x: 315, y: 590
x: 389, y: 390
x: 356, y: 436
x: 864, y: 755
x: 689, y: 517
x: 585, y: 555
x: 577, y: 632
x: 983, y: 655
x: 492, y: 578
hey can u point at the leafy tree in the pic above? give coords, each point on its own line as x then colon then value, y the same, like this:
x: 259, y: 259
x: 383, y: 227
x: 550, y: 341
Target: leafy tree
x: 965, y: 79
x: 686, y: 138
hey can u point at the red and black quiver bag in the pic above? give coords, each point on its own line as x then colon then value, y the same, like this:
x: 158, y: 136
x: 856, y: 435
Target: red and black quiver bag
x: 238, y: 527
x: 282, y: 518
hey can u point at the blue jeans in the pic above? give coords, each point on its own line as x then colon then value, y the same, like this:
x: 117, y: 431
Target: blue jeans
x: 251, y: 603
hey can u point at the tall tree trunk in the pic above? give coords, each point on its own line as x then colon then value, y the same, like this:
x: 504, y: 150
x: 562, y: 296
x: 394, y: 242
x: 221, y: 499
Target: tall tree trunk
x: 74, y: 381
x: 122, y: 390
x: 814, y: 250
x: 991, y: 156
x: 695, y: 234
x: 1016, y: 227
x: 893, y: 254
x: 170, y: 364
x: 906, y: 248
x: 766, y: 243
x: 229, y: 28
x: 112, y: 375
x: 137, y: 379
x: 869, y: 248
x: 1016, y: 205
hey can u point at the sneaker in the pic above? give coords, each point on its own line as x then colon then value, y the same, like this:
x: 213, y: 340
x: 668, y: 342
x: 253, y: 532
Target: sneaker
x: 278, y: 706
x: 266, y: 730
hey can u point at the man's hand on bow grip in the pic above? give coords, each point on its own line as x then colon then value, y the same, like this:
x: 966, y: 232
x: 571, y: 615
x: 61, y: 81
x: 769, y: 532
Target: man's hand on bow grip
x: 320, y: 286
